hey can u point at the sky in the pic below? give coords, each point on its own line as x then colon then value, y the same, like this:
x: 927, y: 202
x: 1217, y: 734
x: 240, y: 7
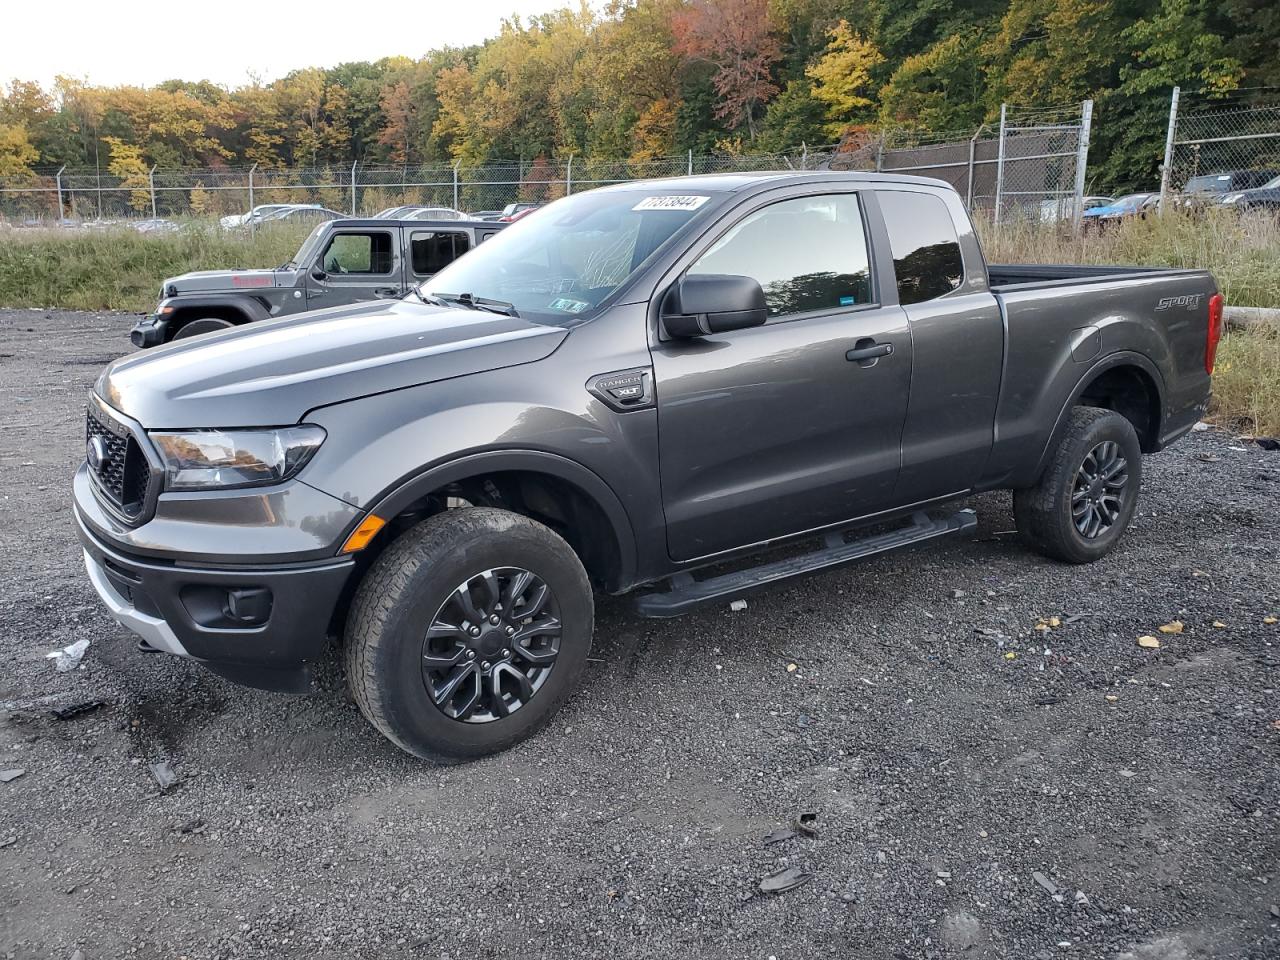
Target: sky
x: 143, y: 42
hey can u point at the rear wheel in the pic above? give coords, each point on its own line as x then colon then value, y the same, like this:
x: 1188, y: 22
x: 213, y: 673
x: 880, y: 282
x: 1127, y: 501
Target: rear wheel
x: 1088, y: 492
x: 468, y: 633
x: 193, y: 328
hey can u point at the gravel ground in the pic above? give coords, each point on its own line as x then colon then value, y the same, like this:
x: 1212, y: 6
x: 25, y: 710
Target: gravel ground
x: 977, y: 786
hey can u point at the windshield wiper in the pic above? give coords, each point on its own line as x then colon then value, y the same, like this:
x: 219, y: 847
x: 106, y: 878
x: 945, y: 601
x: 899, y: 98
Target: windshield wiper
x: 472, y: 303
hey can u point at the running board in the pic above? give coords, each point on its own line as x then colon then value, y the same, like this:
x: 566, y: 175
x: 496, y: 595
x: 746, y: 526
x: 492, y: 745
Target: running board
x: 685, y: 592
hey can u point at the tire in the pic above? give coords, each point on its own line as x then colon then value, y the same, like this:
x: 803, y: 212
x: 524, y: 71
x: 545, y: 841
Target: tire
x: 396, y: 672
x: 1044, y: 513
x: 193, y: 328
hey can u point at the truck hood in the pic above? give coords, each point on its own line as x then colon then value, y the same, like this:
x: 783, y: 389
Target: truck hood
x: 272, y: 372
x: 205, y: 281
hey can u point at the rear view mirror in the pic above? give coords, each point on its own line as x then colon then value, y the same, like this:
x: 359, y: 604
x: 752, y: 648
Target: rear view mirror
x: 319, y: 274
x: 706, y: 303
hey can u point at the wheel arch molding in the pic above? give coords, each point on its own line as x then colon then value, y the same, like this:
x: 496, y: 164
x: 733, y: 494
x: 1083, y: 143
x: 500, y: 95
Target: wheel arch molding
x: 558, y: 470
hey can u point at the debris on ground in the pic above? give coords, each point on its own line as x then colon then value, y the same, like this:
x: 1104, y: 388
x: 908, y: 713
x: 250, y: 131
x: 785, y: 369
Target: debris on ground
x: 737, y: 605
x: 1267, y: 443
x: 805, y: 824
x: 68, y: 658
x: 75, y: 709
x: 1049, y: 886
x: 7, y: 775
x: 792, y: 668
x: 1174, y: 626
x: 784, y: 880
x: 1148, y: 641
x: 163, y: 774
x: 195, y: 825
x: 1210, y: 457
x: 785, y: 833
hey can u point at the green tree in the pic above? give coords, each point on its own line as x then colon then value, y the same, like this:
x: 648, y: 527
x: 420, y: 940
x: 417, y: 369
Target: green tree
x: 842, y: 77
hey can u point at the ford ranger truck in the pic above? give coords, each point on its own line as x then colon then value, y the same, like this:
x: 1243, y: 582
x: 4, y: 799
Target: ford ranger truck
x: 644, y: 389
x: 340, y: 262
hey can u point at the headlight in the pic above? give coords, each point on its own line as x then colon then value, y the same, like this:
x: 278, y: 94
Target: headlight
x: 1232, y: 197
x: 224, y: 459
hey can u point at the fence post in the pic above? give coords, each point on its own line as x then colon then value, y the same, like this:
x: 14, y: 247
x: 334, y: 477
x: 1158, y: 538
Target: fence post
x: 251, y: 171
x: 1082, y: 161
x: 804, y: 155
x: 691, y: 161
x: 151, y: 184
x: 57, y: 178
x: 1166, y: 170
x: 1000, y: 162
x: 353, y: 186
x: 455, y: 184
x: 880, y: 152
x: 968, y: 190
x: 568, y: 177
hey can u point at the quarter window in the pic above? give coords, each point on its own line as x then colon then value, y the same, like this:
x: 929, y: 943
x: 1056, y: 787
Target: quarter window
x: 926, y: 251
x: 809, y: 253
x: 368, y: 253
x: 432, y: 251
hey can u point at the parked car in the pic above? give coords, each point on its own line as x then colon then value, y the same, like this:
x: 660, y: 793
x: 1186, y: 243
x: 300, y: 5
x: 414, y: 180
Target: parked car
x: 258, y: 212
x: 514, y: 211
x: 1063, y: 208
x: 485, y: 215
x: 341, y: 262
x: 420, y: 213
x: 1211, y: 188
x: 1130, y: 205
x: 1265, y: 197
x: 298, y: 213
x: 651, y: 387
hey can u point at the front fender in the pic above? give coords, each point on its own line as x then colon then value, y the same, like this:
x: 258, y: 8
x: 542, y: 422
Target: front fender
x: 397, y: 499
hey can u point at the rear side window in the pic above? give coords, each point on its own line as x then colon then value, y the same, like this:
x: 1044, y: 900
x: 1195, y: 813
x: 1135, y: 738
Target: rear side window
x: 358, y: 253
x: 926, y: 251
x: 808, y: 254
x: 432, y: 251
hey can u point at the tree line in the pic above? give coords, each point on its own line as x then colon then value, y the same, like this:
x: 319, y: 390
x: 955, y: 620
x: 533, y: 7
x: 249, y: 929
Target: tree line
x: 650, y: 78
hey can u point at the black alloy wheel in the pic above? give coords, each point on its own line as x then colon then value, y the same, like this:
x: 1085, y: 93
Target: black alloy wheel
x: 491, y: 645
x: 1098, y: 494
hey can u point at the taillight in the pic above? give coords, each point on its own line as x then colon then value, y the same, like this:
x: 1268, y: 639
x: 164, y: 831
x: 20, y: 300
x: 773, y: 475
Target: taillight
x: 1215, y: 332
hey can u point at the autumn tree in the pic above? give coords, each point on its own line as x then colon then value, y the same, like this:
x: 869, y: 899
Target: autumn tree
x: 735, y: 36
x: 842, y: 77
x: 126, y: 163
x: 16, y: 152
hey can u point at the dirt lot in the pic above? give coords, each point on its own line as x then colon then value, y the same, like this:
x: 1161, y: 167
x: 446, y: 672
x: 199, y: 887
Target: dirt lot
x: 981, y: 788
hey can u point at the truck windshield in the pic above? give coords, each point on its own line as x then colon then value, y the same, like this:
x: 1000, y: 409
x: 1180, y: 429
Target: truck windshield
x: 559, y: 263
x: 309, y: 246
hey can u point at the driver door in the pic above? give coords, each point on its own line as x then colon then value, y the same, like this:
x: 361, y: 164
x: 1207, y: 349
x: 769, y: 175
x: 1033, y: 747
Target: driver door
x: 782, y: 428
x: 356, y: 264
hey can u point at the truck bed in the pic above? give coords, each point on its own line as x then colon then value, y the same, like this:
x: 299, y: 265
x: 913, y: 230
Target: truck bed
x: 1018, y: 276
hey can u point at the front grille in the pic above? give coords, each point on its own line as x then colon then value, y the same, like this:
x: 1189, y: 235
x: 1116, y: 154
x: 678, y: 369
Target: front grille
x: 124, y: 474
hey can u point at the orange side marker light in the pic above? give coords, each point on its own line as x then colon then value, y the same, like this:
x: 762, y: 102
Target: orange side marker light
x: 362, y: 534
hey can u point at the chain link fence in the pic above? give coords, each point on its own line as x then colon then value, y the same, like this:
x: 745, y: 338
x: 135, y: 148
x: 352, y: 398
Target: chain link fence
x: 1029, y: 165
x: 1220, y: 146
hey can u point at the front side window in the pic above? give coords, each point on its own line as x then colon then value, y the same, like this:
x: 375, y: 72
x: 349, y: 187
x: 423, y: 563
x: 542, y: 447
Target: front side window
x: 926, y: 251
x: 432, y: 251
x: 807, y: 254
x: 368, y: 253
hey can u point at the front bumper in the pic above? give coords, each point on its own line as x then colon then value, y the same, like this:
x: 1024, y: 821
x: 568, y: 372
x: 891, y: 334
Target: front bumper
x: 149, y: 331
x: 188, y: 610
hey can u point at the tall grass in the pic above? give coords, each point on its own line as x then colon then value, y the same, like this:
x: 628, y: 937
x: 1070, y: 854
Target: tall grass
x: 120, y: 269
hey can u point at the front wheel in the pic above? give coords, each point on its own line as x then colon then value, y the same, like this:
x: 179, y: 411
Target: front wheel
x: 1088, y: 493
x: 468, y: 633
x: 194, y: 328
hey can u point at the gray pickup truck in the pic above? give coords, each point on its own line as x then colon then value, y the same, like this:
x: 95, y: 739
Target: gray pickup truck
x: 645, y: 388
x: 340, y: 262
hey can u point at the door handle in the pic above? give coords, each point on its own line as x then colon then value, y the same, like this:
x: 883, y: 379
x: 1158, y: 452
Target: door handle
x: 386, y: 292
x: 866, y: 352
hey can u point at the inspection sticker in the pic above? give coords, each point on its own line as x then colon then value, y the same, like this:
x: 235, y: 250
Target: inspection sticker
x: 670, y: 203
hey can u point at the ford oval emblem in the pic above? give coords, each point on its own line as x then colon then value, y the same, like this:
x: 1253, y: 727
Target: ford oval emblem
x: 96, y: 453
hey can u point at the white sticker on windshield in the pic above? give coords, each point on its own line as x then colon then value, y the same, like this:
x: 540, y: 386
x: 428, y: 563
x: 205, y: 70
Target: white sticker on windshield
x: 670, y: 203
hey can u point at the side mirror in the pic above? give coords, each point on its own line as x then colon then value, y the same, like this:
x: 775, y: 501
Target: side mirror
x: 319, y: 274
x: 705, y: 303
